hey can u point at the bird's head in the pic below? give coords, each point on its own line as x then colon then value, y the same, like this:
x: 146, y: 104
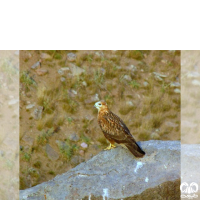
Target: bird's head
x: 101, y: 105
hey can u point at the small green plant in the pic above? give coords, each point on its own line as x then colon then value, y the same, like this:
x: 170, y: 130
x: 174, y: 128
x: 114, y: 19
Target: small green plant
x: 67, y: 149
x: 46, y: 98
x: 134, y: 84
x: 34, y: 173
x: 61, y: 120
x: 156, y: 120
x: 26, y: 80
x: 109, y: 99
x: 37, y: 164
x: 164, y: 87
x: 90, y: 58
x: 51, y: 52
x: 98, y: 77
x: 69, y: 120
x: 58, y: 56
x: 44, y: 136
x: 51, y: 172
x: 85, y: 138
x: 135, y: 54
x: 86, y: 122
x: 40, y: 125
x: 49, y: 122
x: 26, y: 156
x: 70, y: 105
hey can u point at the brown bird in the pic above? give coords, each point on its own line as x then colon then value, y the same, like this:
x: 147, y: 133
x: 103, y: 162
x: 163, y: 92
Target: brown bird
x: 115, y: 130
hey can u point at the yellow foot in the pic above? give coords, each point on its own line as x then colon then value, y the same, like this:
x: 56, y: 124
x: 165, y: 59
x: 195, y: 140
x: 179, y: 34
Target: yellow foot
x: 111, y: 146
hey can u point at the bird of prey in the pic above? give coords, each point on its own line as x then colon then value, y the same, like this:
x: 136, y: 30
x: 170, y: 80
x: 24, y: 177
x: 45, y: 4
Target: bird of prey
x: 115, y: 130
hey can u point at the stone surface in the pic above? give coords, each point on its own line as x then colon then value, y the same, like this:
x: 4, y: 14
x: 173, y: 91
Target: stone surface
x: 81, y: 152
x: 65, y: 68
x: 75, y: 70
x: 72, y: 93
x: 51, y: 153
x: 74, y: 137
x: 71, y: 57
x: 127, y: 77
x: 158, y: 76
x: 155, y: 136
x: 171, y: 124
x: 45, y: 56
x: 117, y: 174
x: 28, y: 107
x: 36, y: 65
x: 145, y: 84
x: 37, y: 113
x: 177, y: 90
x: 84, y: 83
x: 41, y: 72
x: 93, y: 99
x: 61, y: 72
x: 84, y: 145
x: 75, y: 160
x: 132, y: 68
x: 28, y: 140
x: 175, y: 84
x: 62, y: 79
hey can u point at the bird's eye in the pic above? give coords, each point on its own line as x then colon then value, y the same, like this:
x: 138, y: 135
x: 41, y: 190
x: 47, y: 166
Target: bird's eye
x: 99, y: 104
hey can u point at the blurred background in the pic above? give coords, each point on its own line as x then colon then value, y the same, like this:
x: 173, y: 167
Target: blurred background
x: 58, y: 89
x: 9, y: 124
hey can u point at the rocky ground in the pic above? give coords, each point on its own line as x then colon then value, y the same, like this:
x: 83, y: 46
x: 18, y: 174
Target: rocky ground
x: 58, y: 126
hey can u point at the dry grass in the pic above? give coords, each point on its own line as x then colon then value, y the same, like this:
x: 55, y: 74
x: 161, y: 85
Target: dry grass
x: 67, y: 149
x: 103, y: 141
x: 44, y: 136
x: 65, y: 106
x: 138, y: 55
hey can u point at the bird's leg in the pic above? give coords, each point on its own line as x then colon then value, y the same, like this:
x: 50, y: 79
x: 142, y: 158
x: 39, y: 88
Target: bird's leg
x: 111, y: 146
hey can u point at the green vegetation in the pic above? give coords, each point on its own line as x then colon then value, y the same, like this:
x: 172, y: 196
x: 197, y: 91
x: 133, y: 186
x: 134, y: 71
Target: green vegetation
x: 85, y: 139
x: 44, y: 136
x: 26, y: 80
x: 57, y: 56
x: 134, y: 84
x: 37, y: 164
x: 67, y: 149
x: 133, y: 93
x: 136, y: 54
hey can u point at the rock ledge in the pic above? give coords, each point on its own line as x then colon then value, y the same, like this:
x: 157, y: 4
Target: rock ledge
x: 117, y: 174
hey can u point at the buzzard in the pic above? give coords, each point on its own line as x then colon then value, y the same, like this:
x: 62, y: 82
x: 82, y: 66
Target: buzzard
x: 115, y: 130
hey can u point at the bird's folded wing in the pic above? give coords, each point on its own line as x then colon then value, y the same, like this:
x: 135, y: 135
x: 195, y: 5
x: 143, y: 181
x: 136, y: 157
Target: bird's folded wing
x: 111, y: 124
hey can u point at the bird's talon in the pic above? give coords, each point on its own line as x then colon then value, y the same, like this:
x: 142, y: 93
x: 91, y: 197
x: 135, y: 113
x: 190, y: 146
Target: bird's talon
x: 111, y: 146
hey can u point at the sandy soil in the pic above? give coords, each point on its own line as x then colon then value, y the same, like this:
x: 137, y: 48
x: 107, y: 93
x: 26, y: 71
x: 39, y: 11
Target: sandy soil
x: 150, y: 111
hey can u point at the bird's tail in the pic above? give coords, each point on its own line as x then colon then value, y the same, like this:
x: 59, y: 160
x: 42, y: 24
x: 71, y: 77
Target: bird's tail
x: 135, y: 149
